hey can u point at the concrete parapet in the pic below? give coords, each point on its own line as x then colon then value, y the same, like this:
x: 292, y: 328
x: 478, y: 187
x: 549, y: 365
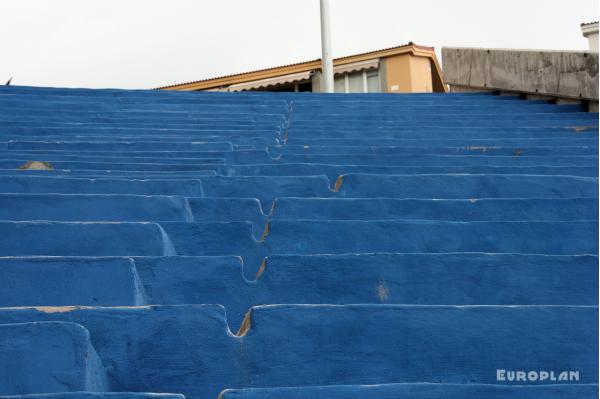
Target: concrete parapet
x: 562, y: 74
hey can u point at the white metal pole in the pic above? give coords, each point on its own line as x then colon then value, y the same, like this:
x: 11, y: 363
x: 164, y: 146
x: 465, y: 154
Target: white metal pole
x: 327, y: 68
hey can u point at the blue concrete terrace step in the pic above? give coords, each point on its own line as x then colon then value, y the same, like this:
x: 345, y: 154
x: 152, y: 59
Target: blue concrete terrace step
x: 294, y: 237
x: 509, y: 209
x: 419, y: 391
x: 340, y: 237
x: 141, y: 208
x: 334, y: 171
x: 63, y: 281
x: 84, y: 239
x: 424, y: 279
x: 438, y: 160
x: 48, y: 357
x: 181, y: 348
x: 438, y: 149
x: 414, y: 245
x: 466, y: 186
x: 96, y: 395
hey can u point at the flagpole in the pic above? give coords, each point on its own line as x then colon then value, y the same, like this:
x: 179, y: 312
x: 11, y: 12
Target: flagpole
x: 327, y: 60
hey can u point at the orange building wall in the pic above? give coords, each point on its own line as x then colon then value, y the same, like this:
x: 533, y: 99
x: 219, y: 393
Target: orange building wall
x: 398, y: 74
x: 420, y: 72
x: 408, y: 74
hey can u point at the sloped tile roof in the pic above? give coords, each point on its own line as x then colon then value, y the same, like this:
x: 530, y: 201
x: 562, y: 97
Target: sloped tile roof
x: 409, y: 45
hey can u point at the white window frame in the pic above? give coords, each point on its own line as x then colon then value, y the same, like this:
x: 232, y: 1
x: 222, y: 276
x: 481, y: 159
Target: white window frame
x: 365, y: 81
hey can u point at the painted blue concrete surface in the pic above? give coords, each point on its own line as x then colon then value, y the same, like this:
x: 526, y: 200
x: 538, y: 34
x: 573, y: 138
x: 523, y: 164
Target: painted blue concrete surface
x: 334, y: 171
x: 533, y: 209
x: 97, y: 395
x: 489, y: 279
x: 211, y: 170
x: 67, y: 281
x: 177, y: 348
x: 83, y: 239
x: 122, y: 166
x: 38, y: 185
x: 454, y: 139
x: 266, y: 189
x: 93, y: 208
x: 425, y: 279
x: 418, y: 391
x: 441, y: 160
x: 48, y: 357
x: 294, y: 237
x: 375, y: 344
x: 111, y: 146
x: 341, y: 237
x: 433, y: 132
x: 468, y: 186
x: 166, y: 158
x: 436, y: 149
x: 165, y: 198
x: 217, y: 239
x: 136, y: 208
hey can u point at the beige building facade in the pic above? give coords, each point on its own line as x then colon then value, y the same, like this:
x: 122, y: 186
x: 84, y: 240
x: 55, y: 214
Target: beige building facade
x: 404, y: 69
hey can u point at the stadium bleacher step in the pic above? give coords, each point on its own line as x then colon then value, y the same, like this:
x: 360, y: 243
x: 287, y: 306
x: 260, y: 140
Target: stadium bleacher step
x: 418, y: 391
x: 177, y: 348
x: 418, y: 279
x: 96, y: 395
x: 48, y: 357
x: 296, y: 245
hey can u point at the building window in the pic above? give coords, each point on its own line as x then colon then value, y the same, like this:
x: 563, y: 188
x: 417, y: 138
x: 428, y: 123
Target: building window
x: 355, y: 82
x: 339, y: 83
x: 373, y: 84
x: 358, y: 82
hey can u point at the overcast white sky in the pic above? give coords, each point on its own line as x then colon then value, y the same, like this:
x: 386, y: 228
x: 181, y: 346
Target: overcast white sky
x: 149, y: 43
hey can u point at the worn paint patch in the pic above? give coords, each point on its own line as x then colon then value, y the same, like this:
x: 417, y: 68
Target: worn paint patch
x: 382, y: 291
x: 579, y: 129
x: 481, y: 149
x: 338, y: 183
x: 36, y: 165
x: 57, y: 309
x: 266, y: 231
x: 246, y: 324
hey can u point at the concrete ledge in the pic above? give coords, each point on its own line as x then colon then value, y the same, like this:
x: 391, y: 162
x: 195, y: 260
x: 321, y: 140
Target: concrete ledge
x: 293, y: 237
x: 569, y: 74
x: 97, y: 395
x: 417, y: 391
x: 83, y: 239
x: 467, y: 186
x: 365, y: 344
x: 48, y: 357
x: 57, y: 281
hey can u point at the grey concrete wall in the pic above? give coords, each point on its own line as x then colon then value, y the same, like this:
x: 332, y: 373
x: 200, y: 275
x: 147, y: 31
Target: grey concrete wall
x: 571, y: 74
